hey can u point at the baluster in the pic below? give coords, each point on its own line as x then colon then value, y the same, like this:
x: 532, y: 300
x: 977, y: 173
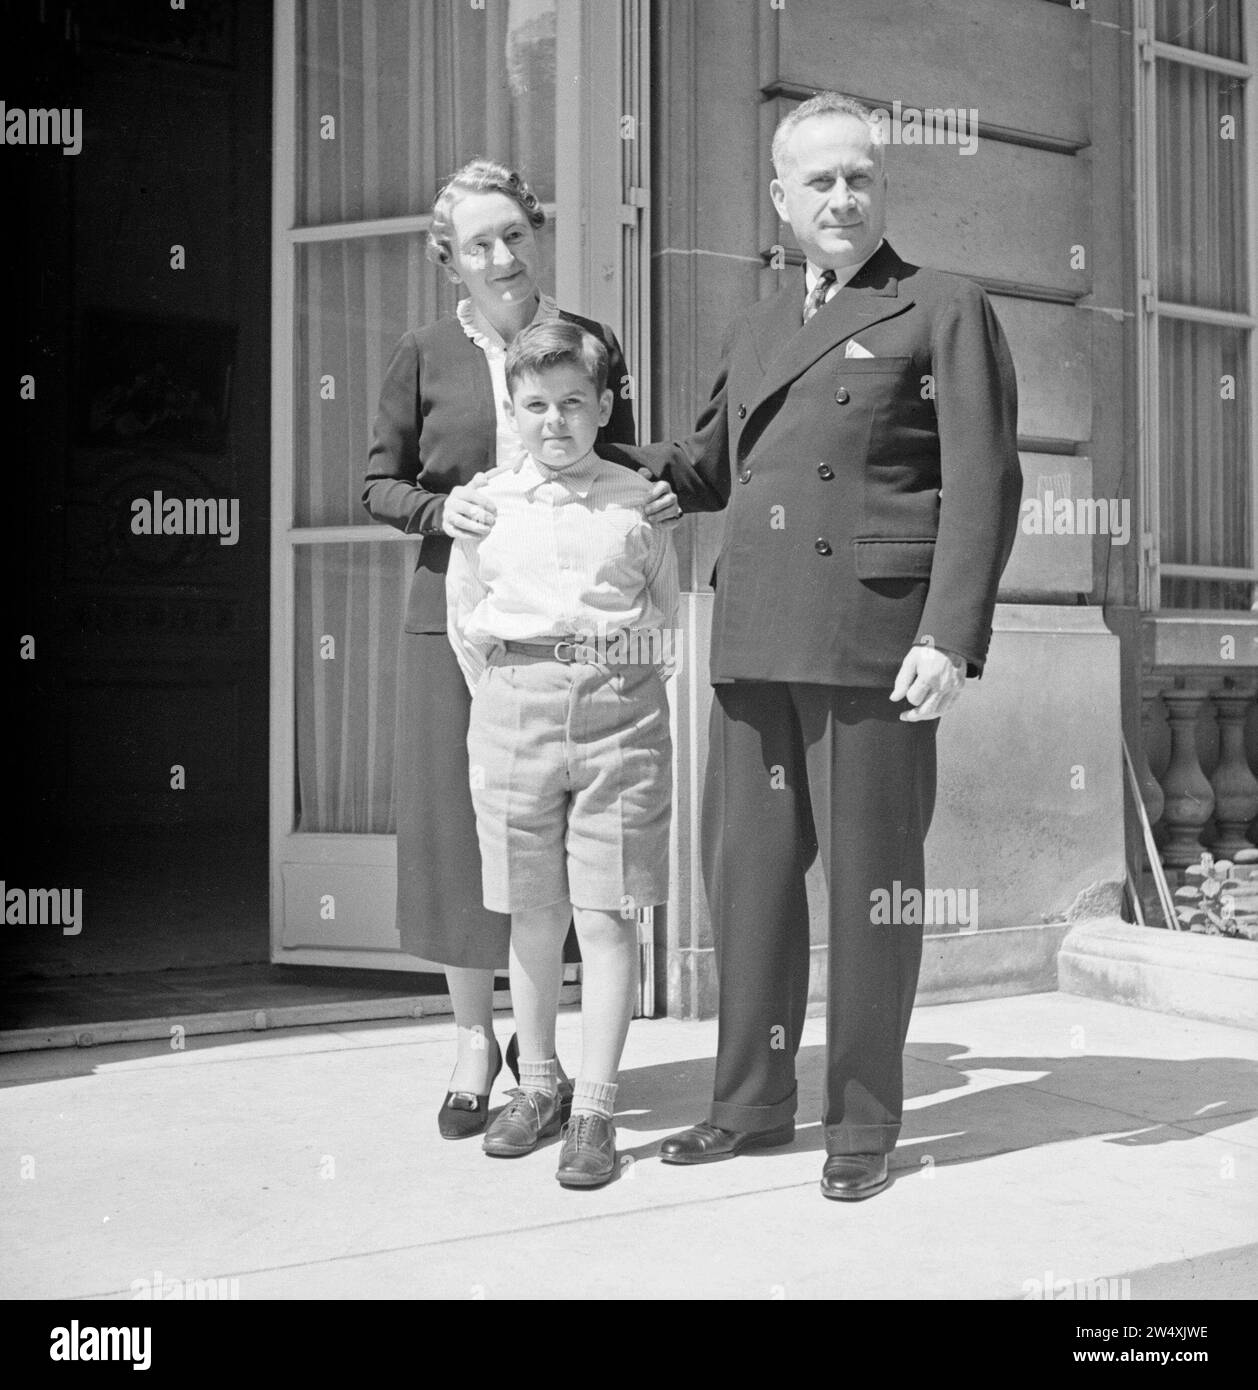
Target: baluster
x: 1189, y: 796
x: 1235, y: 786
x: 1150, y: 787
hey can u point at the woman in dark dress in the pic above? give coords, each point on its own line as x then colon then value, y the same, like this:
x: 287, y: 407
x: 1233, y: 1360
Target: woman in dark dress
x: 439, y: 424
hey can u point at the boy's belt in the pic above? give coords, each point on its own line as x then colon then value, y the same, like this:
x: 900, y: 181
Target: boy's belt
x: 569, y: 650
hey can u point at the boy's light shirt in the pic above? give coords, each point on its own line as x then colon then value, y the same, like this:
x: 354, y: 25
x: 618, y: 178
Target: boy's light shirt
x: 570, y: 552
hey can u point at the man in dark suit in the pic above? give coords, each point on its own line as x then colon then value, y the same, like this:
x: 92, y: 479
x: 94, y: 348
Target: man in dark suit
x: 862, y: 433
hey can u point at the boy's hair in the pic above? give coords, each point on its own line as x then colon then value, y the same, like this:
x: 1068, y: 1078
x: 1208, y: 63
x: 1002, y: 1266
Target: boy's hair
x: 478, y: 176
x: 556, y: 344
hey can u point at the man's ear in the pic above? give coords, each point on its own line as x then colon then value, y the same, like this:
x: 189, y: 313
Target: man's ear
x: 605, y: 403
x: 778, y: 193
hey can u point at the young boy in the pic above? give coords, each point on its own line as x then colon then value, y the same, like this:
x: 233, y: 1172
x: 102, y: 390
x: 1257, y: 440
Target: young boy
x: 562, y: 618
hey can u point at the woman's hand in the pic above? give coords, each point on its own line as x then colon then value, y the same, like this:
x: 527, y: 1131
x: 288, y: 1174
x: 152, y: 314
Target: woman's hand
x: 468, y: 513
x: 662, y: 506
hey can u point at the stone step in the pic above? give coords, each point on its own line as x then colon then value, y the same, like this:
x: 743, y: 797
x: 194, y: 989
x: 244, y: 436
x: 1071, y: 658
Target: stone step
x: 1194, y: 974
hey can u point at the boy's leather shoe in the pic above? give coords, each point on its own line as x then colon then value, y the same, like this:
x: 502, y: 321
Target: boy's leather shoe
x: 527, y: 1118
x: 853, y: 1177
x: 588, y: 1155
x: 565, y: 1081
x: 705, y: 1143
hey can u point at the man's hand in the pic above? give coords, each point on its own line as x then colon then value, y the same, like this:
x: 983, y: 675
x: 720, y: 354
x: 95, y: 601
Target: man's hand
x: 468, y: 513
x: 930, y: 680
x: 662, y: 506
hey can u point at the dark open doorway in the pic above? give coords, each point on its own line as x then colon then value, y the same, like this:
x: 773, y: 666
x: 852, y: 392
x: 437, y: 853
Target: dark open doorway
x: 139, y: 537
x: 137, y: 765
x: 143, y: 304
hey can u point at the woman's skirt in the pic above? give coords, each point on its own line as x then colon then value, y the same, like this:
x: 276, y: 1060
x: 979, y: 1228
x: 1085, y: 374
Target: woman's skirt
x: 441, y: 914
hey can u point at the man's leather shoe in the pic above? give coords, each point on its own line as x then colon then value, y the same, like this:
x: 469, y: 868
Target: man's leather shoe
x: 588, y: 1155
x: 853, y: 1177
x: 705, y: 1143
x: 529, y: 1117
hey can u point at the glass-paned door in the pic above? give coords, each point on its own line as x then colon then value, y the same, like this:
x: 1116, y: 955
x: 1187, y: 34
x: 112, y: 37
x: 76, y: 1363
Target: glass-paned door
x: 1197, y: 101
x: 377, y: 102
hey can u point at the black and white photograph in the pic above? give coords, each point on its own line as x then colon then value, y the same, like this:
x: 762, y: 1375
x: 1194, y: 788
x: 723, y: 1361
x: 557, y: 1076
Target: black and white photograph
x: 633, y: 665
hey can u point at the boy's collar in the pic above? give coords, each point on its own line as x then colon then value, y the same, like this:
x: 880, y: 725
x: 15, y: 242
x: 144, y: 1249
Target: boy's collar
x: 577, y: 477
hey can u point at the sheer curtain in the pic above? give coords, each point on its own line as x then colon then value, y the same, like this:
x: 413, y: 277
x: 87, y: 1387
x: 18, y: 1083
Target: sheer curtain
x: 1205, y: 465
x: 392, y: 97
x: 1205, y: 26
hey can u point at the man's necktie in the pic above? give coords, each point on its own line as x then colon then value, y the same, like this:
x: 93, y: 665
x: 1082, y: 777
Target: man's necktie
x: 818, y: 296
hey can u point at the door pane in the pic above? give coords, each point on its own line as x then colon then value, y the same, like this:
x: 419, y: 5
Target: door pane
x: 350, y: 601
x: 1205, y: 485
x: 354, y: 300
x: 1201, y: 188
x: 415, y: 88
x: 1205, y: 28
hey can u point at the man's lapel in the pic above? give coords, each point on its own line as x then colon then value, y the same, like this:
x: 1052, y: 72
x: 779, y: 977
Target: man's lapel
x: 871, y: 295
x: 777, y: 321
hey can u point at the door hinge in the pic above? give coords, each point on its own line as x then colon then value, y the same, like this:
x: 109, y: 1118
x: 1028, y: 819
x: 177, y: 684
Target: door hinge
x: 637, y: 201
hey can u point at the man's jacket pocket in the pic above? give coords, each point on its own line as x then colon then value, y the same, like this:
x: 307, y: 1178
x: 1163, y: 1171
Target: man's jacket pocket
x: 894, y: 559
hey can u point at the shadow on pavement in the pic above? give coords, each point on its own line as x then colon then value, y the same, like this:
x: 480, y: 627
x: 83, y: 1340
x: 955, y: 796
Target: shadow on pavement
x: 972, y: 1115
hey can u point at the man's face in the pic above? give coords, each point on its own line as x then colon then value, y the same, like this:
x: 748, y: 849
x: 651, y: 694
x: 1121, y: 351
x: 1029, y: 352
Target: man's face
x: 558, y: 413
x: 833, y: 191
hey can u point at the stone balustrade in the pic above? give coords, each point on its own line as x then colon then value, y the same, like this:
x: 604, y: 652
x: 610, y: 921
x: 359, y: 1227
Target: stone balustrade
x: 1196, y: 720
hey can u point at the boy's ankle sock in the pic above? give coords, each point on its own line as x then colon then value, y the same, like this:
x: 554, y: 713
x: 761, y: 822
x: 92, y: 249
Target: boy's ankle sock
x: 540, y: 1076
x: 595, y: 1097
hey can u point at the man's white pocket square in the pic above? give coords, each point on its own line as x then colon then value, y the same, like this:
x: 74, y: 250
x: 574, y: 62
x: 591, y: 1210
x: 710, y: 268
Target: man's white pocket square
x: 854, y: 349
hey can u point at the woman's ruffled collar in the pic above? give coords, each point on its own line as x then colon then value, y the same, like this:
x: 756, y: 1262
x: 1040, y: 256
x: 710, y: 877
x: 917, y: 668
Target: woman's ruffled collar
x: 485, y: 335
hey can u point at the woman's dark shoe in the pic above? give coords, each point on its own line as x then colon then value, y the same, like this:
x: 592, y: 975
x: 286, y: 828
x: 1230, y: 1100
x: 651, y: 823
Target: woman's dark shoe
x: 463, y: 1113
x: 565, y: 1081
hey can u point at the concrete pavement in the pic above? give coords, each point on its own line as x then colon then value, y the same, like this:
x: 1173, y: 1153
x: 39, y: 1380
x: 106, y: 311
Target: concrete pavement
x: 1049, y: 1139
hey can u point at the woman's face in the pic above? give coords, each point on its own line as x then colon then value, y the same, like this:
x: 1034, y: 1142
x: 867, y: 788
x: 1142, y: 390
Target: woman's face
x: 494, y: 250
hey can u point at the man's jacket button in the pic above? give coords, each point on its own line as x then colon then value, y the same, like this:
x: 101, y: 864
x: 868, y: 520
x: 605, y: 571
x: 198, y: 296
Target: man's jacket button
x: 745, y: 476
x: 825, y: 472
x: 842, y: 395
x: 742, y: 412
x: 822, y: 546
